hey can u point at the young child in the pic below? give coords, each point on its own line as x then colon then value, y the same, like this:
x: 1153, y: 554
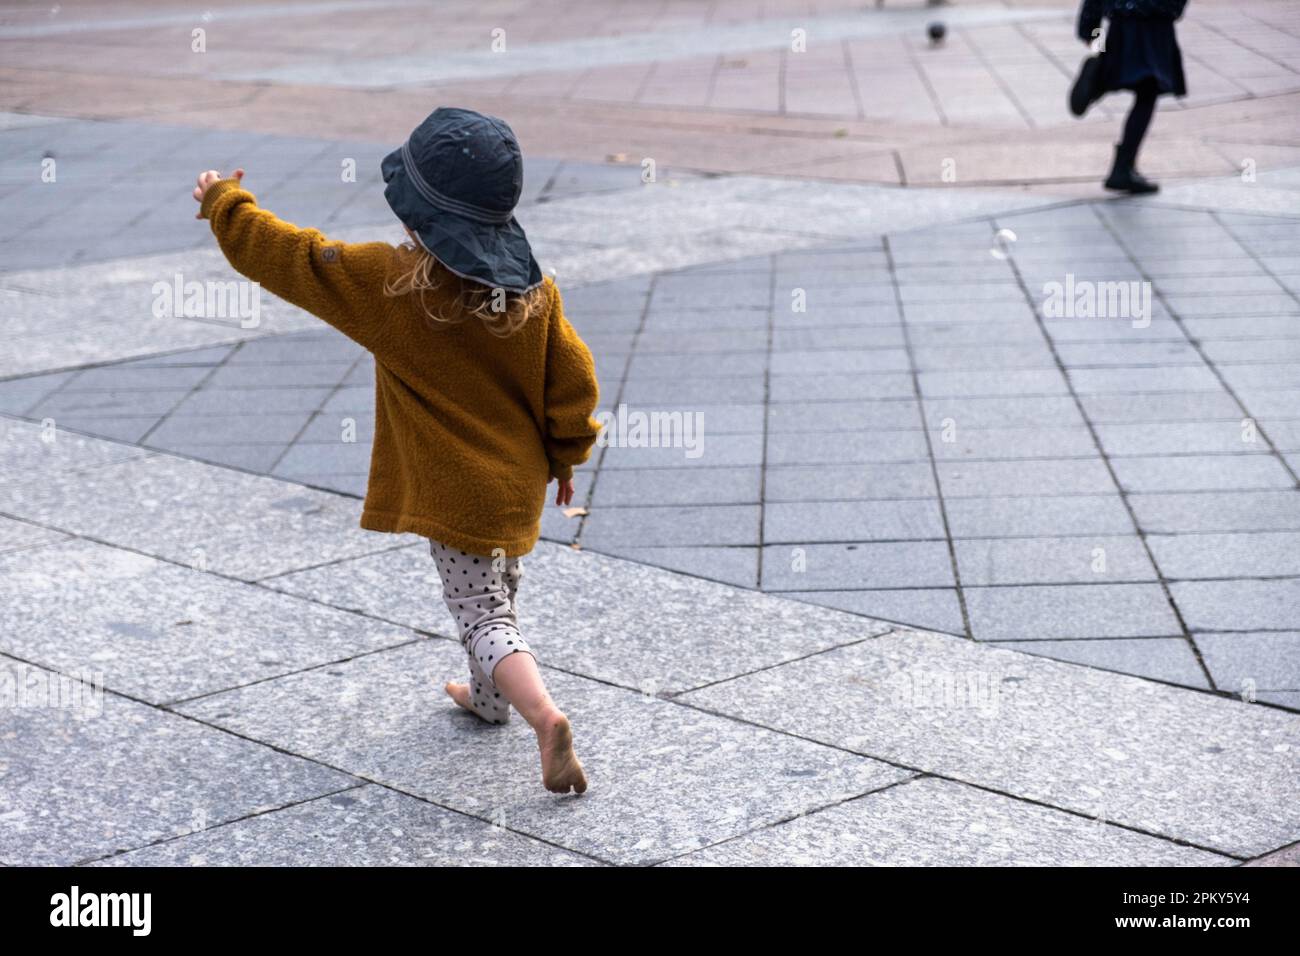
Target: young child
x: 484, y: 393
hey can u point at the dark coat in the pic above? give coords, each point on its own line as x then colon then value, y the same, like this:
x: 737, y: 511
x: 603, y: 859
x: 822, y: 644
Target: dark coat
x: 1092, y: 12
x: 1141, y: 49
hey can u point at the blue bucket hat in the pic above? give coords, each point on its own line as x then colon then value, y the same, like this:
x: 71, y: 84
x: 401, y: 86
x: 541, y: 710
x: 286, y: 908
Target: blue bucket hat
x: 455, y: 183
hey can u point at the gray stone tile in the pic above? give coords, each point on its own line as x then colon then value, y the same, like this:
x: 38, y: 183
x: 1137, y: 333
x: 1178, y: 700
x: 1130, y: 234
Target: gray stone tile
x: 1252, y: 660
x: 935, y: 608
x: 193, y: 513
x: 368, y: 826
x: 1238, y: 605
x: 862, y: 361
x: 159, y: 632
x: 1287, y: 856
x: 696, y: 450
x: 1244, y: 377
x: 1079, y: 739
x: 381, y: 716
x: 672, y: 526
x: 841, y: 416
x: 811, y: 567
x: 307, y: 458
x: 259, y: 458
x: 19, y: 394
x: 298, y: 349
x: 677, y: 486
x: 1177, y: 438
x: 1037, y: 516
x: 651, y: 365
x: 278, y: 428
x: 1010, y: 443
x: 738, y: 566
x: 121, y: 403
x: 978, y: 479
x: 1201, y: 473
x: 977, y: 356
x: 1104, y: 354
x: 1169, y: 406
x: 31, y: 450
x: 1020, y: 331
x: 283, y: 375
x: 354, y: 485
x: 214, y: 355
x: 124, y: 377
x: 76, y: 802
x: 565, y: 610
x: 935, y: 385
x: 19, y: 535
x: 845, y: 447
x: 716, y: 419
x: 785, y: 522
x: 936, y: 822
x: 832, y: 482
x: 128, y: 429
x: 254, y: 401
x: 1049, y: 612
x: 1085, y: 559
x: 1168, y: 659
x: 1212, y: 511
x: 658, y: 393
x: 1246, y: 555
x: 1045, y: 411
x: 833, y: 387
x: 1190, y: 378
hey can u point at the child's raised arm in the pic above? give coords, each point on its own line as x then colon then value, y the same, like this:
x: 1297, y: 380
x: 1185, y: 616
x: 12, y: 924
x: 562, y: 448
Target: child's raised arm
x: 571, y: 395
x: 334, y: 281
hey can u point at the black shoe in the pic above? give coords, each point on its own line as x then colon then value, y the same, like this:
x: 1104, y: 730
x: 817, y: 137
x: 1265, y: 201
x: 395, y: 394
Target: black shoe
x: 1130, y: 181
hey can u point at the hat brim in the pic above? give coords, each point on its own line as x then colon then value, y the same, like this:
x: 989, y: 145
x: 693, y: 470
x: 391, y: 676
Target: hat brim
x: 494, y: 254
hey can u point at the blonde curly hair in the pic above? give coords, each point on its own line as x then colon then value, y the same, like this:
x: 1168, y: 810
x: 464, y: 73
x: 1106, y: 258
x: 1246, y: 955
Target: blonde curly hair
x: 419, y: 273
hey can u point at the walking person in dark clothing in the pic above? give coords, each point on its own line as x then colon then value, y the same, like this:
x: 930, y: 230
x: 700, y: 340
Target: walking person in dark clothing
x: 1141, y: 54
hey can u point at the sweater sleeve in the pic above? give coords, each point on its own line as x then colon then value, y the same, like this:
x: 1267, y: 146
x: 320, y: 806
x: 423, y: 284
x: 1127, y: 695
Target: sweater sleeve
x: 339, y: 283
x: 571, y: 394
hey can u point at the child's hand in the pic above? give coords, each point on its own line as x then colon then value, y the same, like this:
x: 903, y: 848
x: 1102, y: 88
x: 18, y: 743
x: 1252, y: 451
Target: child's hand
x: 563, y: 491
x: 205, y: 183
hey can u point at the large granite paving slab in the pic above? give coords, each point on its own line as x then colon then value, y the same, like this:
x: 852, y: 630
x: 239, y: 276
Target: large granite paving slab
x: 19, y: 535
x: 1211, y: 771
x: 200, y: 515
x: 32, y: 450
x: 160, y: 632
x: 366, y: 826
x: 616, y: 621
x: 665, y: 779
x: 934, y: 822
x: 99, y: 773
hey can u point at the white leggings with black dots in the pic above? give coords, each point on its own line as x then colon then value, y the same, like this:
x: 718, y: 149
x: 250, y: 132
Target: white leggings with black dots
x: 480, y: 593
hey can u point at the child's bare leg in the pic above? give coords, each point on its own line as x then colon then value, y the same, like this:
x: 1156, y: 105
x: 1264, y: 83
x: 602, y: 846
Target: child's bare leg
x: 520, y: 681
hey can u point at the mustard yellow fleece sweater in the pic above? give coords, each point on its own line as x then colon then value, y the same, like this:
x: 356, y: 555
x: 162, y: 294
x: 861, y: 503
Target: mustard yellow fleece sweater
x: 469, y: 427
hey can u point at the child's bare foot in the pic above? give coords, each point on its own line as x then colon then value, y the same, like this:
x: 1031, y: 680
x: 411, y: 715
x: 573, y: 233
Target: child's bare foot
x: 460, y: 694
x: 560, y: 767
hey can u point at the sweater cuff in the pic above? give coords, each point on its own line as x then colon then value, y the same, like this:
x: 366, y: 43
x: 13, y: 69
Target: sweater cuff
x: 215, y: 191
x: 561, y: 471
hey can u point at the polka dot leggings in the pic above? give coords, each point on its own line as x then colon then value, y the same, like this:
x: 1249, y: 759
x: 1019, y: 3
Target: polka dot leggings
x: 480, y: 593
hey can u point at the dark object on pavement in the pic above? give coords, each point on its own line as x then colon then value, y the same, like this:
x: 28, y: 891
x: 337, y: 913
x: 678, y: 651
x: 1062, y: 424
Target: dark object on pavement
x: 936, y: 31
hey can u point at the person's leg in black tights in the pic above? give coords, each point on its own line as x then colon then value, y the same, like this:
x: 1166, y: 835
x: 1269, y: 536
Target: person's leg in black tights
x: 1124, y: 175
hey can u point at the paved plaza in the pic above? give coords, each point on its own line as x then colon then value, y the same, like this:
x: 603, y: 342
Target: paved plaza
x: 987, y: 551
